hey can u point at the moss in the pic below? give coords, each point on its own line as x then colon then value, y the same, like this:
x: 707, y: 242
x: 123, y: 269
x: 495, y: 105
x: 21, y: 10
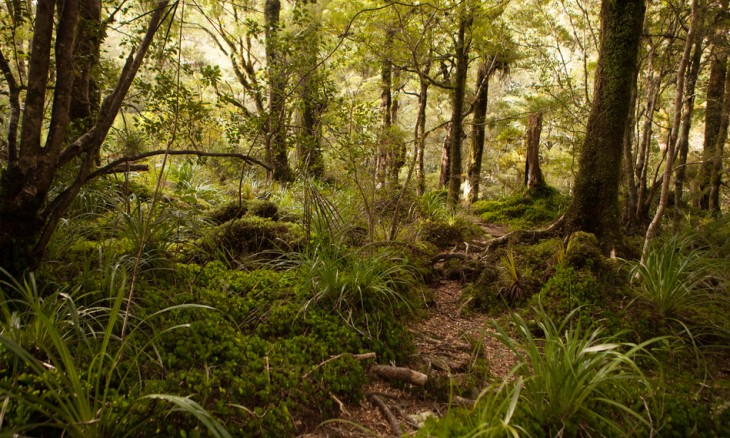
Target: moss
x: 253, y: 235
x: 583, y: 251
x: 566, y: 290
x: 441, y: 234
x: 227, y: 212
x: 521, y: 211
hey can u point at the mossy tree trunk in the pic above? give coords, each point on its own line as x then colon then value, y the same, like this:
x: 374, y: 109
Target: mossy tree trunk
x: 478, y: 128
x: 713, y: 116
x: 276, y: 149
x: 311, y: 100
x: 595, y: 202
x: 457, y: 112
x: 420, y: 129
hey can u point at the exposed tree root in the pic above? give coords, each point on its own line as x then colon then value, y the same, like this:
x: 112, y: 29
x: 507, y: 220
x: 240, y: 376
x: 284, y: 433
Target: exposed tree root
x: 526, y: 235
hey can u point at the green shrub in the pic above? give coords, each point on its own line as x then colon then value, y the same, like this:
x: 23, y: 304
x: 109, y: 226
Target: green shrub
x: 568, y: 374
x: 227, y: 212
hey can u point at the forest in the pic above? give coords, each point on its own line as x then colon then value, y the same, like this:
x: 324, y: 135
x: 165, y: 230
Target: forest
x: 321, y: 218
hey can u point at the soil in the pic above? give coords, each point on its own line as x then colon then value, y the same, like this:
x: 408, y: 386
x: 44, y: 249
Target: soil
x: 447, y: 340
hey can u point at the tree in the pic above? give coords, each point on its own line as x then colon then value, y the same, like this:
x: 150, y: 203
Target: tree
x: 29, y: 209
x: 595, y: 202
x: 457, y: 112
x: 276, y: 149
x: 534, y: 180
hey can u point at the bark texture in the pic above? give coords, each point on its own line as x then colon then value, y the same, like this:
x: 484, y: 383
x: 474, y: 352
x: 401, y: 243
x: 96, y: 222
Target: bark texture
x: 534, y: 180
x: 457, y: 115
x: 478, y: 128
x: 595, y: 203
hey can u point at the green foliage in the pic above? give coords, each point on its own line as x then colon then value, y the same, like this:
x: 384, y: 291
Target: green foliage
x: 675, y: 277
x: 441, y: 234
x: 567, y: 374
x: 520, y: 212
x: 71, y: 368
x: 251, y: 235
x: 566, y: 290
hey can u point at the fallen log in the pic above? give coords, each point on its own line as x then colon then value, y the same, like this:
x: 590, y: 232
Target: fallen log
x: 401, y: 374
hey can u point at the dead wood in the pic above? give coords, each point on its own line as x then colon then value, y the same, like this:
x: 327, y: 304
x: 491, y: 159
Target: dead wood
x: 380, y: 404
x: 401, y: 374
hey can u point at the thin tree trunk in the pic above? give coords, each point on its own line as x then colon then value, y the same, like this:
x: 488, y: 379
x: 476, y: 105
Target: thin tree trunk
x: 386, y: 121
x: 716, y: 177
x: 534, y: 180
x: 642, y: 163
x: 474, y: 166
x: 687, y: 110
x: 445, y: 158
x: 671, y: 144
x: 628, y: 161
x: 420, y: 134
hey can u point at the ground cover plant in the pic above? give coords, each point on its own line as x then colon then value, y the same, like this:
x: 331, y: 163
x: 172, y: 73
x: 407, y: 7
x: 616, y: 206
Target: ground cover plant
x: 359, y: 218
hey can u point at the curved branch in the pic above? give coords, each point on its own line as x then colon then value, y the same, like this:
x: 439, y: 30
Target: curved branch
x: 135, y: 158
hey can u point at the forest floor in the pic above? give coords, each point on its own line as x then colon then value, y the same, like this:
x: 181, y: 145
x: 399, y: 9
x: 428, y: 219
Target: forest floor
x: 452, y: 345
x: 447, y: 342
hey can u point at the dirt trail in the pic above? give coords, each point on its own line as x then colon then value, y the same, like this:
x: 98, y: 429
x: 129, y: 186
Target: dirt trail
x: 447, y: 342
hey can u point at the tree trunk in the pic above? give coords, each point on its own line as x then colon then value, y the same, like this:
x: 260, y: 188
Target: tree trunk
x: 474, y: 167
x: 420, y: 133
x: 312, y: 106
x: 716, y: 176
x: 595, y: 202
x: 386, y: 121
x: 713, y: 117
x: 445, y: 158
x: 27, y: 216
x: 628, y: 162
x: 397, y: 150
x: 642, y: 163
x: 683, y: 145
x: 457, y: 115
x: 276, y: 150
x: 671, y: 144
x: 534, y: 180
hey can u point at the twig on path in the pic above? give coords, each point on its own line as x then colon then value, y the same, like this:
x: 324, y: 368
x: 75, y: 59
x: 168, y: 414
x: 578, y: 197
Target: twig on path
x: 380, y: 404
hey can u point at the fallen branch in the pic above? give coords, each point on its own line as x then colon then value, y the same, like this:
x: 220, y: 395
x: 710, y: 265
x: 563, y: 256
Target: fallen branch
x: 380, y: 404
x: 401, y: 374
x: 362, y: 356
x: 526, y: 235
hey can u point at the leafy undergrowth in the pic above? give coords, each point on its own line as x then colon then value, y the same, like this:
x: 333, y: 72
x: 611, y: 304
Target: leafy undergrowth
x: 608, y: 348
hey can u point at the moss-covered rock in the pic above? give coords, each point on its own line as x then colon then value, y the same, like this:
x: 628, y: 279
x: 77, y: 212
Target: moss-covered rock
x: 441, y: 234
x: 253, y: 235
